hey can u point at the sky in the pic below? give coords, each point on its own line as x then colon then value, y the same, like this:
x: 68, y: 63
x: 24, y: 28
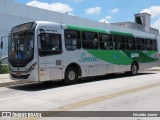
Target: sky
x: 109, y: 11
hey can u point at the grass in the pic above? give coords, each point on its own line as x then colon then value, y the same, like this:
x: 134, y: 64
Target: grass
x: 4, y: 69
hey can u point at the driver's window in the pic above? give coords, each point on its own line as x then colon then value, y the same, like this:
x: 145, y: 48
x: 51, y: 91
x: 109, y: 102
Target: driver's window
x: 55, y: 42
x: 50, y: 43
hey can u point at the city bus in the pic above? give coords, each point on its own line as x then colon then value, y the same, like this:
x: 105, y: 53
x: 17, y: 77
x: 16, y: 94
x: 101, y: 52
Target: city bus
x: 48, y: 51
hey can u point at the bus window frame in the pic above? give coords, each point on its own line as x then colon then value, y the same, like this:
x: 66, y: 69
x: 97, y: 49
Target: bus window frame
x: 132, y: 45
x: 48, y: 52
x: 95, y: 40
x: 141, y: 44
x: 78, y: 34
x: 110, y: 42
x: 119, y: 43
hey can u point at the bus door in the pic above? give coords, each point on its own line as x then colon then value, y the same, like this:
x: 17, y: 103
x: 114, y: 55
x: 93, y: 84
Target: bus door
x: 50, y: 54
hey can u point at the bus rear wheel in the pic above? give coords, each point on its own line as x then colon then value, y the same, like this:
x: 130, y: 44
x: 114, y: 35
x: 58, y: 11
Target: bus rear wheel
x: 134, y: 69
x: 71, y: 76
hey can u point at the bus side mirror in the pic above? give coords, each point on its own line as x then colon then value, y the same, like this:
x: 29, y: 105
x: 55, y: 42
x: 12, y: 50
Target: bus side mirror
x: 1, y: 44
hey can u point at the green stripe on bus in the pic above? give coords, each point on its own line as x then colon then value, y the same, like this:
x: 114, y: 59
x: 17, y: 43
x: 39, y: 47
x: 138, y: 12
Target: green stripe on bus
x: 121, y: 33
x: 149, y: 53
x: 111, y: 56
x: 125, y: 57
x: 143, y: 58
x: 73, y: 27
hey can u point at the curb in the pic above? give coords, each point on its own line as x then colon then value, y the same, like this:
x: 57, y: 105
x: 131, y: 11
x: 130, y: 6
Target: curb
x: 14, y: 83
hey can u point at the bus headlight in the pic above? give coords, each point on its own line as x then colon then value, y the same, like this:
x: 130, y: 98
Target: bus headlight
x: 32, y: 66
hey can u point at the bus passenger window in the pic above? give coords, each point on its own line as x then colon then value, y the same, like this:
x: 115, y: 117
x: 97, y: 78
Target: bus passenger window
x: 149, y: 44
x: 130, y: 43
x: 140, y: 42
x: 72, y: 40
x: 155, y: 45
x: 89, y: 40
x: 105, y: 41
x: 119, y: 42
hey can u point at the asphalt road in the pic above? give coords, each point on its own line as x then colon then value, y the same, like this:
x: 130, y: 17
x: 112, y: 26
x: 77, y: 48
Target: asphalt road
x: 108, y: 93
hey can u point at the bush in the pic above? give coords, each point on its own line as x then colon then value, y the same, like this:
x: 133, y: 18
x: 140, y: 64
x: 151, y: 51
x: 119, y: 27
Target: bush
x: 4, y: 69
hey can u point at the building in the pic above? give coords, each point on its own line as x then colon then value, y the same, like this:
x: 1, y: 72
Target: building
x: 12, y: 14
x: 142, y: 23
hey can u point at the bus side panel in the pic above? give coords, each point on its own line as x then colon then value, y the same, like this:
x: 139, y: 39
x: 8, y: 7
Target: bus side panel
x: 56, y: 73
x: 119, y: 61
x: 105, y: 68
x: 44, y: 74
x: 87, y: 62
x: 90, y: 60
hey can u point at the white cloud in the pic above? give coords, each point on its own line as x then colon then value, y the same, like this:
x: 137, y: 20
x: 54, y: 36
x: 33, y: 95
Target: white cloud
x: 79, y: 0
x: 156, y: 24
x: 95, y: 10
x: 106, y: 19
x: 58, y: 7
x: 153, y: 10
x: 114, y: 10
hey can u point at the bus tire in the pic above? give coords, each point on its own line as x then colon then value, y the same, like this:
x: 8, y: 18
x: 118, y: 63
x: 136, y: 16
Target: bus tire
x: 134, y: 69
x: 71, y: 76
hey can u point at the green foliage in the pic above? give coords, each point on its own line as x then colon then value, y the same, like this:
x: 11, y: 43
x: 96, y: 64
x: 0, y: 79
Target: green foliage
x: 3, y: 69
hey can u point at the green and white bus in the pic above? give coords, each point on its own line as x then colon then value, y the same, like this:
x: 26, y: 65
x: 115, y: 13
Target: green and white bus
x: 45, y: 51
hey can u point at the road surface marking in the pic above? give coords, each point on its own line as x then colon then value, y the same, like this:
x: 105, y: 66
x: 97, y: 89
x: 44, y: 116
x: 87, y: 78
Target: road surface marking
x: 104, y: 97
x: 98, y: 99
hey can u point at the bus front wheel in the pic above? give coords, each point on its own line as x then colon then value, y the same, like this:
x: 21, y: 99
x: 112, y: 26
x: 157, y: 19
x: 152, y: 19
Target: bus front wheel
x: 71, y: 76
x: 134, y: 69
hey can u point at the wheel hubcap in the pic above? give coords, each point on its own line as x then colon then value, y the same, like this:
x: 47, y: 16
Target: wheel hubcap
x: 71, y: 75
x: 134, y: 69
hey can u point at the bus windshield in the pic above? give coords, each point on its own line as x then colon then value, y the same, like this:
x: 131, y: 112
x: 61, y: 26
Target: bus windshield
x: 20, y: 51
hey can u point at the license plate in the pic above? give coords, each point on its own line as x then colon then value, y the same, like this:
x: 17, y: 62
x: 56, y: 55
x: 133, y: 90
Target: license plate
x: 18, y: 74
